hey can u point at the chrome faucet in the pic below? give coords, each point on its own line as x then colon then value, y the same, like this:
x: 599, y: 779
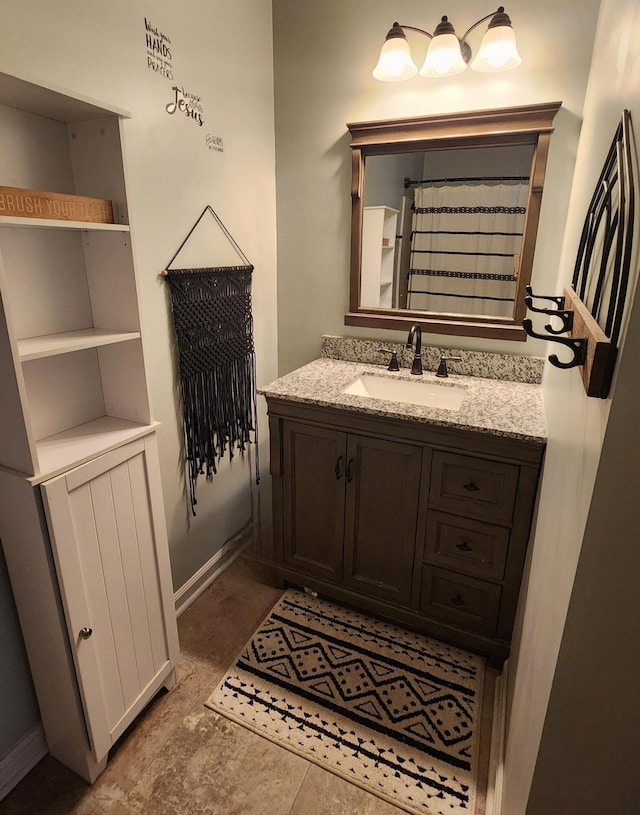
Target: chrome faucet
x: 416, y: 333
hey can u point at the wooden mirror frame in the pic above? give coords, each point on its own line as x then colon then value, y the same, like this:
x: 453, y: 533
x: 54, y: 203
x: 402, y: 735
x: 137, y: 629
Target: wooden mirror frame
x: 531, y: 124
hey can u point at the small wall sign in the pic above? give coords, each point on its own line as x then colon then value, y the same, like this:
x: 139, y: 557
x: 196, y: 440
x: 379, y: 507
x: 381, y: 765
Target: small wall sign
x: 24, y: 203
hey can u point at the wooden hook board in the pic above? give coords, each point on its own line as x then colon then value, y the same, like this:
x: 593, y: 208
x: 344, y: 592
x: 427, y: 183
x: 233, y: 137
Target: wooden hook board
x: 597, y: 370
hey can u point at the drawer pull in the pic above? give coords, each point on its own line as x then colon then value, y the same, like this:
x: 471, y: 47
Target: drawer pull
x: 85, y: 633
x: 471, y: 487
x: 463, y: 546
x: 457, y: 600
x: 337, y: 469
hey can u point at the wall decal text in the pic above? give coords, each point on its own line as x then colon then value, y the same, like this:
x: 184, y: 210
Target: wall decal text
x: 190, y: 104
x: 214, y: 143
x: 159, y: 57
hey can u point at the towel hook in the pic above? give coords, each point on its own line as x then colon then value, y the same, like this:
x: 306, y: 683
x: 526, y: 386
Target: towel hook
x: 577, y: 345
x: 559, y: 301
x: 566, y: 315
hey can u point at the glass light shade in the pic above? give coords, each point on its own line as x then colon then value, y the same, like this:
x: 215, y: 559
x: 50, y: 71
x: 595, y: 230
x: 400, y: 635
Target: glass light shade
x: 443, y: 57
x: 395, y: 63
x: 498, y: 51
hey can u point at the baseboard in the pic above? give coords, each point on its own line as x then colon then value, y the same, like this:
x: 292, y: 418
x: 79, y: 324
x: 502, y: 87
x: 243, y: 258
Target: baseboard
x: 22, y: 758
x: 204, y: 577
x: 496, y: 759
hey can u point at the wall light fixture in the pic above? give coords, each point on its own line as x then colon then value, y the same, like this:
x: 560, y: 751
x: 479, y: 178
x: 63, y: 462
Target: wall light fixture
x: 447, y: 54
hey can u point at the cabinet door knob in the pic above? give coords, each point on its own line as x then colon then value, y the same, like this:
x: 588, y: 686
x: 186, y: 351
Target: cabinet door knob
x: 471, y: 487
x: 457, y: 600
x: 85, y: 633
x: 463, y: 546
x: 337, y: 469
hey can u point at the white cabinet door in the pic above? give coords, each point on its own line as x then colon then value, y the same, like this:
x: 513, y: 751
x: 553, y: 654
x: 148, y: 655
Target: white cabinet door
x: 107, y: 531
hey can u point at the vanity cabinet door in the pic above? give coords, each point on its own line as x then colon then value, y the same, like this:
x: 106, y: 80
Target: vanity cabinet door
x: 383, y: 488
x: 313, y: 494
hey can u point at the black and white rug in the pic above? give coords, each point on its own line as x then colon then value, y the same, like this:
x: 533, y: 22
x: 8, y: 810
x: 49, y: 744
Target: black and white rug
x: 393, y: 711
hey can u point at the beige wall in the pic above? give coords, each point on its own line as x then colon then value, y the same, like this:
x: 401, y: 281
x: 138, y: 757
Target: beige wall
x: 221, y: 51
x: 573, y: 733
x: 324, y: 54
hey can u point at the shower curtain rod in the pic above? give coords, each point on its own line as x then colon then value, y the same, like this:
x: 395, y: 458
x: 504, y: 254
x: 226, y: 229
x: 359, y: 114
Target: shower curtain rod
x: 408, y: 182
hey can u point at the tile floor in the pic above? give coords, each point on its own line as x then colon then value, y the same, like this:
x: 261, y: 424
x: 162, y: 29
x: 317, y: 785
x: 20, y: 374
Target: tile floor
x: 182, y: 758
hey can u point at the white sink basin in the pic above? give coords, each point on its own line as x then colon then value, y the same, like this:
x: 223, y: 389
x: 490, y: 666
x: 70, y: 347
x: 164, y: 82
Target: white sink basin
x: 426, y: 394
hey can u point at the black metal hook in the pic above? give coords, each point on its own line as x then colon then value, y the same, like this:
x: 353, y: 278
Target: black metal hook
x: 566, y: 315
x: 559, y: 301
x: 579, y: 348
x: 577, y: 345
x: 567, y: 323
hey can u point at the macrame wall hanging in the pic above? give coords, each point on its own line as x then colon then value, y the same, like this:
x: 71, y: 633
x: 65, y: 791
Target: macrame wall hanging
x: 211, y: 309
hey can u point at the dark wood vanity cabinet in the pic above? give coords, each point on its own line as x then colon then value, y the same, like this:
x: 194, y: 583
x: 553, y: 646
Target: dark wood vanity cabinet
x: 424, y: 525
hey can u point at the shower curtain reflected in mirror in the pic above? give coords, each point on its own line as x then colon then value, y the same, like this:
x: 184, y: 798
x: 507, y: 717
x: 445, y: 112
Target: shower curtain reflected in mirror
x: 466, y: 241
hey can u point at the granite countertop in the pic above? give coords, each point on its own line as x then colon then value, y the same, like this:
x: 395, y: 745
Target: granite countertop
x: 512, y: 409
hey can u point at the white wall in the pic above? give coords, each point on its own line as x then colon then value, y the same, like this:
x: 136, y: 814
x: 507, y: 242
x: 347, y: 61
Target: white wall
x: 18, y: 709
x: 221, y: 51
x: 591, y: 536
x: 324, y: 54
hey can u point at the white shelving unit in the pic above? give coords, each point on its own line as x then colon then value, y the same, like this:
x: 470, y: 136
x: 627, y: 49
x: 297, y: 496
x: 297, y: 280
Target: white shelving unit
x: 379, y: 227
x: 81, y: 513
x: 68, y: 290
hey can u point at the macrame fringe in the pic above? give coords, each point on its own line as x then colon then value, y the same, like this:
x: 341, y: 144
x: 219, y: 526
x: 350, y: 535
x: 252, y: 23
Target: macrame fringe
x: 211, y: 310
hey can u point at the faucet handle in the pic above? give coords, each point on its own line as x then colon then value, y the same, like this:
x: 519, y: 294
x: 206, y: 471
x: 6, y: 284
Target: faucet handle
x: 393, y: 362
x: 442, y: 368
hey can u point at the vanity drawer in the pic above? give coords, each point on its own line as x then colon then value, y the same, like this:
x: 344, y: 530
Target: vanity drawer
x: 464, y: 545
x: 464, y: 601
x: 473, y: 486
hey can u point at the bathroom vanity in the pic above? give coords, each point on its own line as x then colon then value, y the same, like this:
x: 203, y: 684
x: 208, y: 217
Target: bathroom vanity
x: 417, y: 512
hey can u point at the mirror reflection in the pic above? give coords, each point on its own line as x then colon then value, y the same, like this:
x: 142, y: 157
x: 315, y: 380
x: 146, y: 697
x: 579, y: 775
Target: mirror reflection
x: 442, y: 230
x: 444, y: 217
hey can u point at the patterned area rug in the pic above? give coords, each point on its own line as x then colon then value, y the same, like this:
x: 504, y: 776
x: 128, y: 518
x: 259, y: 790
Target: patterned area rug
x: 395, y: 712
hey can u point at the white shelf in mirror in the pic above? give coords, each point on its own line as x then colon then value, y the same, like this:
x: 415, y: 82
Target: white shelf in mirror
x: 79, y: 444
x: 68, y: 341
x: 52, y: 223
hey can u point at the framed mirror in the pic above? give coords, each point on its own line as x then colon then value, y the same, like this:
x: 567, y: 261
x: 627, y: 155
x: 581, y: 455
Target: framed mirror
x: 444, y: 220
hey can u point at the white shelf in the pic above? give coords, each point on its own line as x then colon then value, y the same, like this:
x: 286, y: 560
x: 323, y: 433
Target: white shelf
x: 378, y: 255
x: 73, y: 447
x: 52, y: 223
x: 38, y: 96
x: 69, y: 341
